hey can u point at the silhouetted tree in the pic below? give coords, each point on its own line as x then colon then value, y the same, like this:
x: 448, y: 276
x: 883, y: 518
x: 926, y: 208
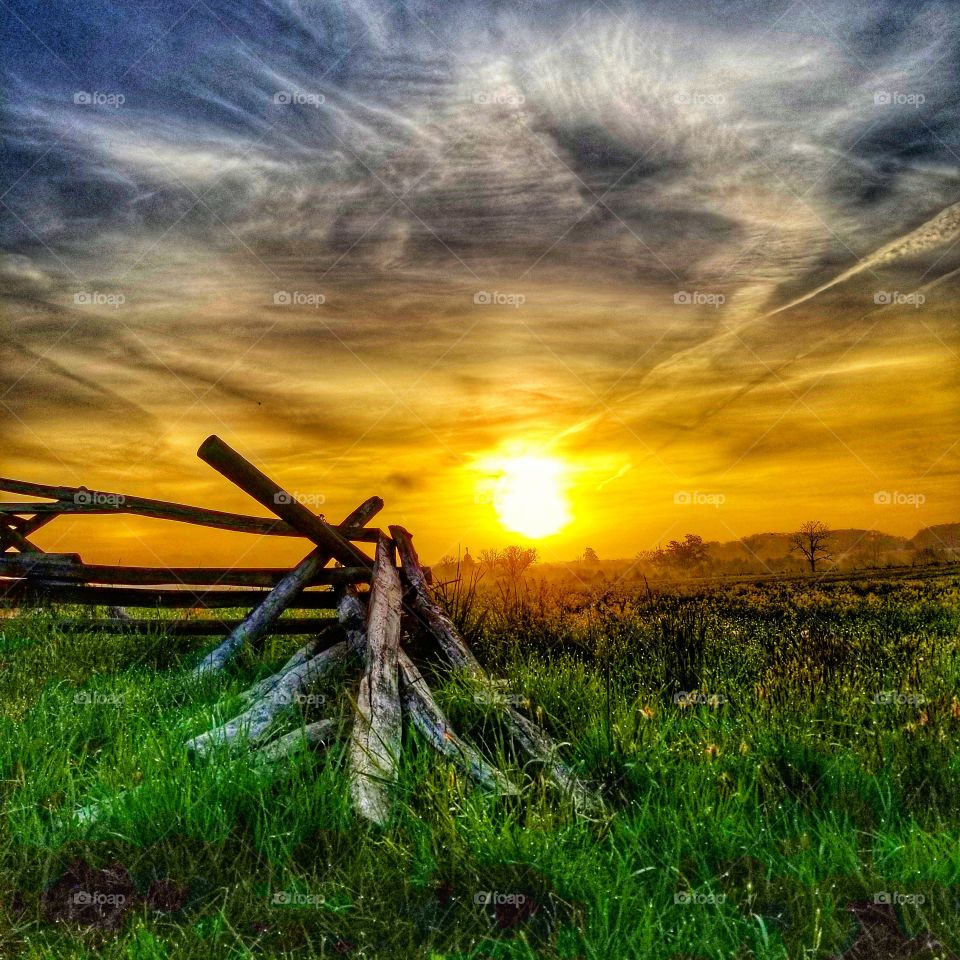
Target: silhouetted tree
x: 926, y: 556
x: 514, y: 561
x: 683, y: 555
x: 590, y: 557
x: 811, y: 540
x: 687, y: 554
x: 657, y: 558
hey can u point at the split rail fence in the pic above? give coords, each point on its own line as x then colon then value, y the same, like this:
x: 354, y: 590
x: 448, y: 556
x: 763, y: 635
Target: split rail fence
x: 380, y: 603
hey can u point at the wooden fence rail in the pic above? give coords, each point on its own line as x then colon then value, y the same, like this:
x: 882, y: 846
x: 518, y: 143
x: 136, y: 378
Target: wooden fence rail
x: 29, y: 592
x: 41, y: 565
x: 29, y: 576
x: 392, y: 690
x: 200, y: 627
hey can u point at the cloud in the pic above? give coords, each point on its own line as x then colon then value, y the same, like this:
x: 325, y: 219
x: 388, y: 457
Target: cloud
x: 685, y: 211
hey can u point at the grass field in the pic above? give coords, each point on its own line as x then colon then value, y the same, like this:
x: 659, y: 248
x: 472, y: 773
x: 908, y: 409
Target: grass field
x: 770, y: 753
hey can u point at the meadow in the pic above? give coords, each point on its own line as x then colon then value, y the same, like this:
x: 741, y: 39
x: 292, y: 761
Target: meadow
x: 778, y: 759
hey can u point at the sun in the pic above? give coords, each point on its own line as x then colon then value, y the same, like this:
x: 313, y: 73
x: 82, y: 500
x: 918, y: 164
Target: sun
x: 529, y: 496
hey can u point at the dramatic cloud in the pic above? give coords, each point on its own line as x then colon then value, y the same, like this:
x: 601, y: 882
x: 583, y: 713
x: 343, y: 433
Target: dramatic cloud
x: 680, y: 245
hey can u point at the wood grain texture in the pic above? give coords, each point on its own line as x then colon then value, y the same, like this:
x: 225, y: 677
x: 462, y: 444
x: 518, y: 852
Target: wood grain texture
x: 252, y: 727
x: 533, y: 740
x: 429, y: 720
x: 258, y: 623
x: 378, y: 728
x: 225, y: 460
x: 19, y: 592
x: 67, y: 568
x: 438, y: 624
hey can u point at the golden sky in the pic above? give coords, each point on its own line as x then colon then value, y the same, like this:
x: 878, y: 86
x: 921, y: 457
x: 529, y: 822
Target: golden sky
x: 601, y: 280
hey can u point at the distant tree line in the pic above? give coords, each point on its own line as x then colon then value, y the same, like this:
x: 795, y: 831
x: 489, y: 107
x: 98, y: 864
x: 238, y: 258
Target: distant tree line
x: 810, y: 547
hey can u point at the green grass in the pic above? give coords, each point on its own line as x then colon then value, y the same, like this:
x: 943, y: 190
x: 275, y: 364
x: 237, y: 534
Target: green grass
x: 781, y: 793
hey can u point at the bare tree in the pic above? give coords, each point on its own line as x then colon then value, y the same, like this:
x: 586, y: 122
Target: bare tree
x: 515, y: 560
x: 812, y: 540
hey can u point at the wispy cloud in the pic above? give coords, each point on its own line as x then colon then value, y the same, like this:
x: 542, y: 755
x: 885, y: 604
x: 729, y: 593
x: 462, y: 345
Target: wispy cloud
x: 659, y: 231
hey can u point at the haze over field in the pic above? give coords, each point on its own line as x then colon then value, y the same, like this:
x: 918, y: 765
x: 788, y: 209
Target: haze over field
x: 559, y: 272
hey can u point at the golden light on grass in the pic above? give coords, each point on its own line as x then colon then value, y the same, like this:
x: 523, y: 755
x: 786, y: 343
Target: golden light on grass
x: 529, y: 497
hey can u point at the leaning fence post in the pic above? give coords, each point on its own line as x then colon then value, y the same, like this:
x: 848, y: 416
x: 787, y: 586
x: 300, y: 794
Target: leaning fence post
x: 225, y: 460
x: 259, y: 621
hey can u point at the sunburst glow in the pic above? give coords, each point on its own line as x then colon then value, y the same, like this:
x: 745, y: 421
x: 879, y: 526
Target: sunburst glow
x: 530, y: 498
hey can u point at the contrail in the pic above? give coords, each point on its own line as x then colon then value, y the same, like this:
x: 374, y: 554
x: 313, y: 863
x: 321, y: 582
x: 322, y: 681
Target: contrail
x: 773, y: 372
x: 941, y: 229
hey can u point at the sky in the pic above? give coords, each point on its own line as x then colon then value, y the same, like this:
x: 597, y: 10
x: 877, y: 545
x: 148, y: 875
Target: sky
x: 567, y: 274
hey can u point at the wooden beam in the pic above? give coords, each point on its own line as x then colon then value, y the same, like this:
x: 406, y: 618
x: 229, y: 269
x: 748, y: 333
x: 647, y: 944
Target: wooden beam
x: 225, y: 460
x: 534, y: 741
x: 426, y: 716
x: 9, y: 485
x: 437, y: 622
x: 11, y: 538
x: 252, y: 727
x: 318, y: 735
x: 67, y: 567
x: 28, y: 525
x: 81, y: 500
x: 309, y: 650
x: 259, y: 622
x: 201, y: 627
x: 158, y: 510
x: 31, y: 592
x: 378, y: 729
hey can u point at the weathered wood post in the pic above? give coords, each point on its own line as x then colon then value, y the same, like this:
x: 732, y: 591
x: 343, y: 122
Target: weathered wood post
x: 378, y: 727
x: 260, y: 620
x: 224, y: 459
